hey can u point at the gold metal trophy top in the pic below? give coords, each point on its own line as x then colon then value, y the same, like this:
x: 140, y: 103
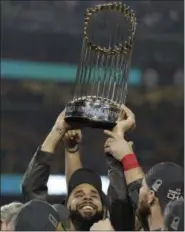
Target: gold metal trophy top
x: 127, y: 45
x: 103, y: 71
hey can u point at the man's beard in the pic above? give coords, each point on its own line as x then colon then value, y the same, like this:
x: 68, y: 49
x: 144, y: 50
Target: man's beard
x: 84, y: 223
x: 143, y: 210
x: 143, y: 213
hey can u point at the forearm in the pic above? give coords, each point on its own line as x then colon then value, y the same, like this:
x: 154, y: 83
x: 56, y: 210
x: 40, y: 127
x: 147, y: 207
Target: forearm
x: 51, y: 142
x: 120, y: 208
x: 133, y: 175
x: 132, y: 169
x: 34, y: 184
x: 72, y: 163
x: 135, y: 172
x: 116, y: 177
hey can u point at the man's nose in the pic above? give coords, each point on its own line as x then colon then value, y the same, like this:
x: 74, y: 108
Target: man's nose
x: 87, y: 197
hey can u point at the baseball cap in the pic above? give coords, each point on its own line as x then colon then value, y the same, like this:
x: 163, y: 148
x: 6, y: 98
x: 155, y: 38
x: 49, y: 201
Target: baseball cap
x: 86, y: 176
x: 38, y: 215
x: 167, y: 181
x: 174, y: 215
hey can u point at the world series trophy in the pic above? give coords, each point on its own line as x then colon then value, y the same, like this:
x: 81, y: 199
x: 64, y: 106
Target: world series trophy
x: 102, y: 75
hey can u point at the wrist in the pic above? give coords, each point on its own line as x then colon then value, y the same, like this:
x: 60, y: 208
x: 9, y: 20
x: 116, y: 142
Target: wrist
x: 123, y: 154
x: 58, y: 131
x: 129, y: 162
x: 118, y: 131
x: 51, y: 142
x: 73, y: 149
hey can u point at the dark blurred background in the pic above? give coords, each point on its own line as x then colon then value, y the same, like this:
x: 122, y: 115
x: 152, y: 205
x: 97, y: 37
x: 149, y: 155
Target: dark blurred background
x: 48, y: 36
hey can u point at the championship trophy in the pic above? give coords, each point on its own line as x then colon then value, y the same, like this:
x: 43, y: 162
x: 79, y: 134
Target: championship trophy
x: 102, y: 75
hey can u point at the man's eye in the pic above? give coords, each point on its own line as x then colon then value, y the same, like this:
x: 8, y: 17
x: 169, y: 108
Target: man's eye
x: 94, y: 196
x: 79, y: 195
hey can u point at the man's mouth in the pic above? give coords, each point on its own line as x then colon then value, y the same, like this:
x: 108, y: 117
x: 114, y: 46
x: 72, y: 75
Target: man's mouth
x: 87, y: 207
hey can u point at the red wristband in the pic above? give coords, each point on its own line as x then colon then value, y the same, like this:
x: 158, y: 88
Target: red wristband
x: 129, y: 162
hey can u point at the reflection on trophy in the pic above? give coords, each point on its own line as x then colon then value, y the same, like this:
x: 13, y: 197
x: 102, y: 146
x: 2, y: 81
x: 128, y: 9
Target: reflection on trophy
x: 102, y: 76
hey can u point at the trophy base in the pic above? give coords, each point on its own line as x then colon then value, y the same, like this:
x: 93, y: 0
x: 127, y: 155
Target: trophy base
x: 92, y: 112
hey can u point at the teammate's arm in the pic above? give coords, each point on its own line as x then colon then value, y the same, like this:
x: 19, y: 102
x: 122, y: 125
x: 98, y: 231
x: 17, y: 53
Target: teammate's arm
x: 72, y: 140
x: 34, y: 184
x: 124, y: 152
x: 120, y: 208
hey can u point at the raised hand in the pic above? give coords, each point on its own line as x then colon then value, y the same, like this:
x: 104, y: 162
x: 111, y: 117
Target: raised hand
x: 117, y: 146
x: 56, y: 134
x: 72, y: 139
x: 126, y: 121
x: 61, y: 125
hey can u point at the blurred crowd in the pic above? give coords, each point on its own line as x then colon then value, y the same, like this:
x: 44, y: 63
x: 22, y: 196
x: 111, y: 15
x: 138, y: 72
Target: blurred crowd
x: 53, y: 30
x: 52, y: 16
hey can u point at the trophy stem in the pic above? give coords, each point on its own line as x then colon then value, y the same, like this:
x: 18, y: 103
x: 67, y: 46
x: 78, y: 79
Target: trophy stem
x: 104, y: 77
x: 89, y: 71
x: 79, y: 71
x: 85, y: 73
x: 93, y: 88
x: 113, y: 90
x: 122, y: 67
x: 100, y: 75
x: 110, y: 79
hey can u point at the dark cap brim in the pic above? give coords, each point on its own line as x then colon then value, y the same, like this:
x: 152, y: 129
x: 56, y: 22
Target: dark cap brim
x: 62, y: 211
x: 84, y: 176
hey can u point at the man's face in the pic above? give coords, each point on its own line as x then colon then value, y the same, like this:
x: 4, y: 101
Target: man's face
x: 145, y: 198
x: 85, y: 200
